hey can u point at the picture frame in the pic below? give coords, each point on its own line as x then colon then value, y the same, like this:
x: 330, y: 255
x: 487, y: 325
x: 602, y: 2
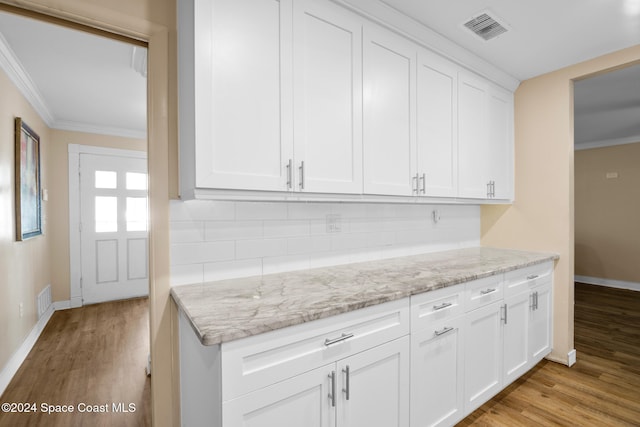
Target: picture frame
x: 28, y: 201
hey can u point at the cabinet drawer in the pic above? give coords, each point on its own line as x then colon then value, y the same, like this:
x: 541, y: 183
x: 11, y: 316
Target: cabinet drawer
x: 484, y: 291
x: 255, y: 362
x: 436, y: 306
x: 525, y: 278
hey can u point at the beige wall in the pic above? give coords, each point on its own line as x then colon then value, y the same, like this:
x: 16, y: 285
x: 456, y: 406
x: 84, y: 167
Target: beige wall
x: 542, y: 216
x: 608, y: 213
x: 154, y: 22
x: 59, y: 197
x: 24, y: 266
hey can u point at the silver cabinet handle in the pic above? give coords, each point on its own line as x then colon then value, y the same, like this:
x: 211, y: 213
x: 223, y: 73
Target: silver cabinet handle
x: 347, y: 381
x: 416, y: 186
x: 533, y: 276
x: 489, y: 189
x: 344, y: 336
x: 532, y: 306
x: 289, y: 174
x: 301, y: 168
x: 443, y: 331
x: 504, y: 319
x: 423, y: 190
x: 332, y: 395
x: 487, y: 291
x: 441, y: 306
x: 535, y: 299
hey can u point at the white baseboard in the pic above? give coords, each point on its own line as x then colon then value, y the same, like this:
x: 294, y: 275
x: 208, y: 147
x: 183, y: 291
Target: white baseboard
x: 21, y: 354
x: 569, y: 359
x: 66, y: 305
x: 619, y: 284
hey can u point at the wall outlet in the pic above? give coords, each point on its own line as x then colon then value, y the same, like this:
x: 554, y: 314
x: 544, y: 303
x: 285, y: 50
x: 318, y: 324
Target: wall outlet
x: 334, y: 223
x: 21, y: 309
x: 435, y: 216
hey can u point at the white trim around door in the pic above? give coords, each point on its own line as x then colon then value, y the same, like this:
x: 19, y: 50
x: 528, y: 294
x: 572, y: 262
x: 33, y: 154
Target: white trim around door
x: 74, y: 151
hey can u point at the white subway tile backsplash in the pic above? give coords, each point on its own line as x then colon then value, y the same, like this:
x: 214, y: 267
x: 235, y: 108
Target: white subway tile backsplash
x: 232, y: 269
x: 186, y: 274
x: 233, y: 230
x: 261, y: 210
x: 286, y: 228
x: 259, y: 248
x: 198, y: 253
x: 213, y: 240
x: 187, y: 231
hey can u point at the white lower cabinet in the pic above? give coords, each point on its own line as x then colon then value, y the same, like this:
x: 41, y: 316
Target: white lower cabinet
x: 365, y: 390
x: 298, y: 401
x: 437, y: 374
x: 428, y: 360
x: 483, y: 355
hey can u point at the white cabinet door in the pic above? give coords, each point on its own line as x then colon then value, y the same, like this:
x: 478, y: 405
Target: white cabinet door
x: 328, y: 93
x: 500, y: 143
x: 299, y: 401
x: 483, y: 355
x: 437, y: 374
x: 436, y: 138
x: 473, y: 153
x: 388, y: 113
x: 374, y: 387
x: 516, y: 336
x: 243, y: 107
x: 540, y: 329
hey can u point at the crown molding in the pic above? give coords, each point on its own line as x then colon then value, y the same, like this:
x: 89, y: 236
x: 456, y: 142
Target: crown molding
x: 12, y: 66
x: 606, y: 143
x: 98, y: 129
x: 18, y: 75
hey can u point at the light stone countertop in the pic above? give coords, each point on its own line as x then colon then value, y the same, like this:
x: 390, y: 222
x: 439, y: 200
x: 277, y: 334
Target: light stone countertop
x: 227, y: 310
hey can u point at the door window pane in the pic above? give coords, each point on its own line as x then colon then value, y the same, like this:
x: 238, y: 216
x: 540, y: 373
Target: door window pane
x: 137, y: 214
x: 136, y: 181
x: 106, y: 214
x: 106, y: 179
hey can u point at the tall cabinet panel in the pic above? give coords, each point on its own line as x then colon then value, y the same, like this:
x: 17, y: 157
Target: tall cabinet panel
x: 500, y: 161
x: 473, y: 152
x: 327, y: 94
x: 389, y: 113
x: 437, y: 139
x: 242, y: 118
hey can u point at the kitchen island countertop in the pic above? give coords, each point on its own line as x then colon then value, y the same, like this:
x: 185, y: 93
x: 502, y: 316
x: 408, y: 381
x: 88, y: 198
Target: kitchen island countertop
x: 231, y: 309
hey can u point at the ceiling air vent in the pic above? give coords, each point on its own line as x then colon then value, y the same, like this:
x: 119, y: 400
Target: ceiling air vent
x: 485, y: 26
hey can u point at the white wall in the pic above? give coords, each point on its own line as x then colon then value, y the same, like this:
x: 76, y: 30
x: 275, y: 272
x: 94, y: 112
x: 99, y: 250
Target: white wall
x: 213, y: 240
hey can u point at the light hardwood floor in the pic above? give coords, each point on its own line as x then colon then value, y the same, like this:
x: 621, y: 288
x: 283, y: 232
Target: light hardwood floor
x: 94, y: 355
x: 601, y: 390
x: 97, y: 355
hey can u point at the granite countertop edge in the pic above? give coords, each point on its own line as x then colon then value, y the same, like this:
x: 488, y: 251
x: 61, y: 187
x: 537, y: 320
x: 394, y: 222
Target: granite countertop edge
x: 228, y: 310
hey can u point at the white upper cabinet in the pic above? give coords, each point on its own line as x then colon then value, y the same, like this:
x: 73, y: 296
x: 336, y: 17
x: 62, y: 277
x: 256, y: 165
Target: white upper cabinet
x: 389, y: 113
x: 310, y: 98
x: 500, y: 162
x: 327, y: 98
x: 243, y: 107
x: 485, y: 139
x: 437, y: 133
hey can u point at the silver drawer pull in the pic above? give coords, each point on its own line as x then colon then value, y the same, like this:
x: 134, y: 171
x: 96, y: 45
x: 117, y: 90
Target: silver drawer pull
x: 443, y: 331
x: 342, y: 337
x: 332, y: 395
x: 533, y: 276
x: 443, y: 305
x: 488, y: 291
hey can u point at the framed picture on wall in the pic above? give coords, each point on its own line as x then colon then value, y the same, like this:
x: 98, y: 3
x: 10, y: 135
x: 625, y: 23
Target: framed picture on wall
x: 28, y: 202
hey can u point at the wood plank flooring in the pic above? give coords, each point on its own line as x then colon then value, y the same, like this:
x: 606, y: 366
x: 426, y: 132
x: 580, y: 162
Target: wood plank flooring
x: 601, y: 389
x: 94, y: 355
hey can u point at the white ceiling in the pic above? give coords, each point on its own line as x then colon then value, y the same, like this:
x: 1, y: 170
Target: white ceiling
x: 77, y: 81
x: 88, y: 81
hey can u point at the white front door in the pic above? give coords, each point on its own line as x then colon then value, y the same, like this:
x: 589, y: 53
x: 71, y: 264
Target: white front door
x: 113, y: 227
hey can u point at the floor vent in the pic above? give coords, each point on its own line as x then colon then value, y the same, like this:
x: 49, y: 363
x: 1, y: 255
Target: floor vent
x: 486, y: 26
x: 44, y: 300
